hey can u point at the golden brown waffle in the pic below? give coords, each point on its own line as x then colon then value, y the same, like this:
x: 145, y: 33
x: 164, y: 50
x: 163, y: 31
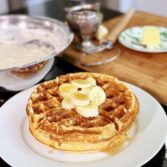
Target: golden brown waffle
x: 26, y: 71
x: 67, y: 130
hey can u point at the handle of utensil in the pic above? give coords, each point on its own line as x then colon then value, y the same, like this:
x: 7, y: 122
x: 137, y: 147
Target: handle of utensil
x: 120, y: 26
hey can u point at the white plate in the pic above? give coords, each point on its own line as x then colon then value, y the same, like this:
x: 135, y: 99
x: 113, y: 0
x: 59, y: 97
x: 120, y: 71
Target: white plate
x: 131, y: 38
x: 19, y: 148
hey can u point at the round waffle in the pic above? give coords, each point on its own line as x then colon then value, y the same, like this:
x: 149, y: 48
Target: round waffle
x: 66, y: 129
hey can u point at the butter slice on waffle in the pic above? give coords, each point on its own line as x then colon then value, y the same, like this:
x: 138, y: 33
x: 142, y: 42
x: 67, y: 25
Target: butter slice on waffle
x: 66, y: 129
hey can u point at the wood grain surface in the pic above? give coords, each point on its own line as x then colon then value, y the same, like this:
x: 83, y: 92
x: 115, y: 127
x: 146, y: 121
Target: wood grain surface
x: 145, y: 70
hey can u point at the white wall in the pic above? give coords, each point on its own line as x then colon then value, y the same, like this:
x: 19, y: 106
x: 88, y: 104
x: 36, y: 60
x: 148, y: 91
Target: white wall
x: 154, y: 6
x: 125, y: 5
x: 3, y: 6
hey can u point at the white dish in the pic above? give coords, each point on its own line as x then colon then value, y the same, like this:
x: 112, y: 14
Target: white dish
x: 19, y: 148
x: 16, y: 83
x: 131, y: 38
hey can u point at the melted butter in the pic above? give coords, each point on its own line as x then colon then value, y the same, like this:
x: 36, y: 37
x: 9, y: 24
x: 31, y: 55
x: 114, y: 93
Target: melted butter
x: 118, y: 148
x: 52, y: 151
x: 13, y: 55
x: 114, y: 150
x: 124, y: 142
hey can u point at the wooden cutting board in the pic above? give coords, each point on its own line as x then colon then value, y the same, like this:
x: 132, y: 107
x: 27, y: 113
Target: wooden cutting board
x: 145, y: 70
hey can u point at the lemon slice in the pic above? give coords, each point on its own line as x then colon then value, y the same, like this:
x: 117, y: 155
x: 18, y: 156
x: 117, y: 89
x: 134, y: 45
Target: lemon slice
x: 90, y: 110
x: 97, y: 95
x: 80, y: 99
x: 67, y: 103
x: 67, y: 89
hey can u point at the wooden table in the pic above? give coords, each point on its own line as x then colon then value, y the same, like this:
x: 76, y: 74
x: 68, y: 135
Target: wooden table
x: 145, y: 70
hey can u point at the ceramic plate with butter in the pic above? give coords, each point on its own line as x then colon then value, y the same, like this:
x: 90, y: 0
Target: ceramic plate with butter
x: 151, y: 39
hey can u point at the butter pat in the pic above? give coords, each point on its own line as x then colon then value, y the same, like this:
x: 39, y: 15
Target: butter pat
x: 151, y: 36
x: 101, y: 33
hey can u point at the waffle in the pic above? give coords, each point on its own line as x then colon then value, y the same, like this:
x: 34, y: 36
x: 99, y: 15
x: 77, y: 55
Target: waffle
x: 26, y: 71
x: 65, y: 129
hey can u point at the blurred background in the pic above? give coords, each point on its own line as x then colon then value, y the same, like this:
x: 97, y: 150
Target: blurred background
x: 153, y: 6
